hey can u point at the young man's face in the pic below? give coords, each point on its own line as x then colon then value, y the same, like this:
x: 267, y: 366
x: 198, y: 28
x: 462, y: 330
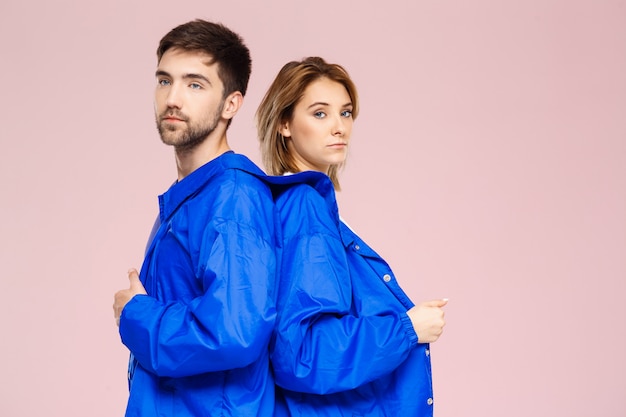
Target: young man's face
x: 188, y: 100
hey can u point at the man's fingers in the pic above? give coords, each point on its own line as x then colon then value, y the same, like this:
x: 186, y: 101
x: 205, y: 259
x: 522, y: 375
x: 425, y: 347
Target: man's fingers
x: 123, y: 296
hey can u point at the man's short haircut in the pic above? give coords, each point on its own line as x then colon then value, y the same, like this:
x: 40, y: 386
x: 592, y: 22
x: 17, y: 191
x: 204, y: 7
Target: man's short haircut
x: 225, y: 47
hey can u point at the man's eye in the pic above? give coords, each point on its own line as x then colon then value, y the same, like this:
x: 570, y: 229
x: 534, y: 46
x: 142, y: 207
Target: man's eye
x: 164, y: 82
x: 195, y: 86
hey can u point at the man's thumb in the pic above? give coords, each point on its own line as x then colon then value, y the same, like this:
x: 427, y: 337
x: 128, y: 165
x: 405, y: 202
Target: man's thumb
x: 133, y: 276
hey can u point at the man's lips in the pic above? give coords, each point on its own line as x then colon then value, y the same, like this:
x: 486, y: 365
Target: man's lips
x: 172, y: 119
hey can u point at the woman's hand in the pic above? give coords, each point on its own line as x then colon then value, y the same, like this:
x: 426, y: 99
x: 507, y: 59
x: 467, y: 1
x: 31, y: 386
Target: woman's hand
x: 427, y: 319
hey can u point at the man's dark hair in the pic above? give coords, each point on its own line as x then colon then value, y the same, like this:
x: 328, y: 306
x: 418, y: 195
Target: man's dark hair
x: 224, y: 46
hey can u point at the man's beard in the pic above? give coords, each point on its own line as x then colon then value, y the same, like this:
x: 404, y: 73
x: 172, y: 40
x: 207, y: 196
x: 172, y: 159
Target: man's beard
x: 189, y: 136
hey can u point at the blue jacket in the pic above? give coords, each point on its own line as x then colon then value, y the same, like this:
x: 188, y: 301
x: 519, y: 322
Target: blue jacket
x: 343, y: 343
x: 199, y: 339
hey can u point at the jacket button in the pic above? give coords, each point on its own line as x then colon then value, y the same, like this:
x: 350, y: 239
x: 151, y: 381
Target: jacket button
x: 386, y: 277
x: 427, y: 352
x: 429, y: 401
x: 357, y: 247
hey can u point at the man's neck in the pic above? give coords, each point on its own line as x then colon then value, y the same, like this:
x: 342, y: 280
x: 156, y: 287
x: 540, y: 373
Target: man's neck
x: 188, y: 160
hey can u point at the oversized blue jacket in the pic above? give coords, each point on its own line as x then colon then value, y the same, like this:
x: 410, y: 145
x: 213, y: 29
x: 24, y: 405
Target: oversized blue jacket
x: 199, y: 339
x: 343, y: 344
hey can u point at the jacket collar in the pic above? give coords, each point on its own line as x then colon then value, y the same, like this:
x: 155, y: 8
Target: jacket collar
x: 180, y: 191
x: 317, y: 180
x: 324, y: 186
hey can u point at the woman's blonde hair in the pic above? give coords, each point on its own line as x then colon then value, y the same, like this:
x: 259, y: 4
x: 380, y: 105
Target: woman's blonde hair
x: 279, y: 102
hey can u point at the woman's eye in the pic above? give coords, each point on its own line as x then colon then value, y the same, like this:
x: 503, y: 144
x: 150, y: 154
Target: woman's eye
x: 346, y: 113
x: 319, y: 114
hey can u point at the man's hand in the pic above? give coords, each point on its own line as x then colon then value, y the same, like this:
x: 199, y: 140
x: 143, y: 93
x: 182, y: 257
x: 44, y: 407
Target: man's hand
x: 123, y: 296
x: 427, y: 319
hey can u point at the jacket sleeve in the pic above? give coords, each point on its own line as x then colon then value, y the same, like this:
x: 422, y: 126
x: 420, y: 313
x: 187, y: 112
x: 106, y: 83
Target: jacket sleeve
x: 229, y: 325
x: 322, y: 343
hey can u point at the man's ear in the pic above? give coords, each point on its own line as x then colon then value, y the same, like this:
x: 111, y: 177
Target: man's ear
x: 232, y: 104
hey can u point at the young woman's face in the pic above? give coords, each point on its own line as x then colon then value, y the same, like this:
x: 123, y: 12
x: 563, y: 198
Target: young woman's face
x: 319, y: 131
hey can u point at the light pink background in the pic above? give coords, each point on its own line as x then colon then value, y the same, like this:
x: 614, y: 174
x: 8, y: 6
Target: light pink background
x: 488, y: 166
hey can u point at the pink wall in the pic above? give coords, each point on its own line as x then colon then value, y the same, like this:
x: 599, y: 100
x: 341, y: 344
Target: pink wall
x: 488, y: 166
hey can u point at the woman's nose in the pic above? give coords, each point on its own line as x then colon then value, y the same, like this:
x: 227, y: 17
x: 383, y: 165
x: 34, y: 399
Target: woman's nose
x: 340, y: 128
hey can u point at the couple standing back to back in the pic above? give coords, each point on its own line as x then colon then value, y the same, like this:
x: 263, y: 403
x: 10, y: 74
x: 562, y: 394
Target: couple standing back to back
x: 254, y: 297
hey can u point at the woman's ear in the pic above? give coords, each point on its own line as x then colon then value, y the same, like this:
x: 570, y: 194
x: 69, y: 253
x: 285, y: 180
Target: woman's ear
x: 284, y: 130
x: 232, y: 104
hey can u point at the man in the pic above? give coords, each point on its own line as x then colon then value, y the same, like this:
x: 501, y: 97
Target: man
x: 198, y: 318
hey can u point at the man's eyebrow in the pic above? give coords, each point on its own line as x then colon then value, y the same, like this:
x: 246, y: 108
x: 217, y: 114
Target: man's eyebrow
x: 192, y: 76
x: 189, y: 76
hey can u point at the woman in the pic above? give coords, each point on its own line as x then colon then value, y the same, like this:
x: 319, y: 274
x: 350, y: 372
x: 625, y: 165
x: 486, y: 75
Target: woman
x: 348, y: 341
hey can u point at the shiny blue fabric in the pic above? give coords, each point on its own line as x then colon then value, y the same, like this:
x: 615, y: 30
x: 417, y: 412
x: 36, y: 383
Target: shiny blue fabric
x: 199, y: 339
x: 343, y: 343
